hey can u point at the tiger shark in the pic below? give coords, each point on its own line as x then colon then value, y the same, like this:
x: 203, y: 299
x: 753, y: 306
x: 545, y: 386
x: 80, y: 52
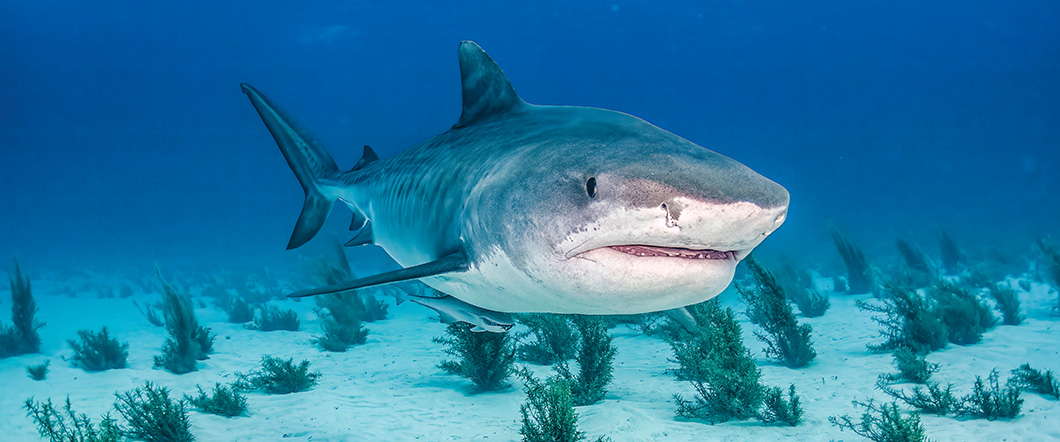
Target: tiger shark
x: 522, y: 208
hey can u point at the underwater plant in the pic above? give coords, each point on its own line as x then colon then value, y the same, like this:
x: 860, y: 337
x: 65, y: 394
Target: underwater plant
x: 272, y: 318
x: 883, y: 424
x: 152, y: 313
x: 951, y: 255
x: 335, y: 270
x: 188, y: 341
x: 936, y: 399
x: 484, y: 358
x: 224, y: 401
x: 595, y: 355
x: 340, y: 317
x: 1051, y: 264
x: 990, y: 401
x: 237, y: 308
x: 554, y: 339
x: 786, y: 340
x: 912, y: 367
x: 98, y: 351
x: 374, y: 309
x: 38, y: 372
x: 152, y: 416
x: 719, y: 367
x: 69, y: 426
x: 914, y: 257
x: 799, y: 286
x: 1007, y: 302
x: 254, y: 293
x: 965, y: 317
x: 777, y: 409
x: 859, y: 274
x: 21, y: 336
x: 1043, y: 383
x: 908, y: 321
x: 548, y: 413
x: 278, y: 376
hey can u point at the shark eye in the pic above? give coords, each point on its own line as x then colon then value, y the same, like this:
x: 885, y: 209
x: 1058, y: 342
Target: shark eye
x: 590, y: 187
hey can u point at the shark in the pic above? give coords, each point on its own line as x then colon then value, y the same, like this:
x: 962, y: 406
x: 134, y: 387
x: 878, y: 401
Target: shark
x: 524, y: 208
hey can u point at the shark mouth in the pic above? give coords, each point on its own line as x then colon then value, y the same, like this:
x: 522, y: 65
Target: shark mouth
x: 673, y: 252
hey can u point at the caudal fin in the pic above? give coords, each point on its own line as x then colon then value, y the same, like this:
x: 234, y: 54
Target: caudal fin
x: 310, y: 163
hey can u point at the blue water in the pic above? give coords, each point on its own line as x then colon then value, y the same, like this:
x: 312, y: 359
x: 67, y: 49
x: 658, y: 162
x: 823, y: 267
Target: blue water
x: 125, y: 137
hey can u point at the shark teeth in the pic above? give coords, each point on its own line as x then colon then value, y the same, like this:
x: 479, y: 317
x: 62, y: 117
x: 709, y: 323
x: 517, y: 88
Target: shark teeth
x: 673, y: 252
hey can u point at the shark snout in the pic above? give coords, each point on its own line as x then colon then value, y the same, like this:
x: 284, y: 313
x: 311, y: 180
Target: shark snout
x: 736, y: 226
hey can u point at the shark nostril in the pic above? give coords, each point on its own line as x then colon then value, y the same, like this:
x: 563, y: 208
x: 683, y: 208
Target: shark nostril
x: 671, y: 217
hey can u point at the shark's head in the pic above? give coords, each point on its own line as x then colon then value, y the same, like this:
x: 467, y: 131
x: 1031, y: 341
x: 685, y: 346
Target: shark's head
x: 610, y: 214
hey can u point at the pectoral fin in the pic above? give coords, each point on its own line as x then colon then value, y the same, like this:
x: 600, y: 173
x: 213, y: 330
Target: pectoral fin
x: 681, y: 316
x: 454, y: 262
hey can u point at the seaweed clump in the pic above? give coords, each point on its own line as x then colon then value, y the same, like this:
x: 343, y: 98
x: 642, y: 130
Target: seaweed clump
x: 224, y: 401
x: 935, y: 399
x: 236, y: 307
x: 1006, y: 302
x: 38, y: 372
x: 912, y: 367
x: 777, y: 409
x: 883, y: 424
x: 98, y: 351
x: 727, y: 381
x: 279, y: 376
x: 908, y: 321
x: 786, y: 340
x: 554, y: 339
x: 951, y: 255
x: 798, y: 285
x: 988, y: 400
x: 548, y: 414
x: 66, y: 425
x: 484, y: 358
x: 340, y: 316
x: 915, y: 258
x: 859, y: 274
x: 1051, y: 264
x: 719, y: 367
x: 964, y: 316
x: 273, y: 318
x: 21, y: 336
x: 152, y: 416
x: 188, y: 341
x: 1043, y: 383
x: 595, y: 355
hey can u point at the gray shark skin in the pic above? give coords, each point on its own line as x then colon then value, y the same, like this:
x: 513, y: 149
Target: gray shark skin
x: 529, y: 208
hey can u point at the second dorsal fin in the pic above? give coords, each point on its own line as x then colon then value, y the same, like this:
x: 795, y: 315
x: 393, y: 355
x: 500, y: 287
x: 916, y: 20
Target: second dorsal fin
x: 368, y: 156
x: 486, y: 90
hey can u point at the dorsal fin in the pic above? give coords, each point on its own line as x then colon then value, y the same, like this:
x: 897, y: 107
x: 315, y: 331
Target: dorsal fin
x: 368, y: 156
x: 486, y: 90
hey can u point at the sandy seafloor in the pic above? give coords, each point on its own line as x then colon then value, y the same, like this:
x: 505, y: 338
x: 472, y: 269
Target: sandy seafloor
x: 390, y: 389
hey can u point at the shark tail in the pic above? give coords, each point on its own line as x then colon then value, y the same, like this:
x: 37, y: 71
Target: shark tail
x: 312, y: 165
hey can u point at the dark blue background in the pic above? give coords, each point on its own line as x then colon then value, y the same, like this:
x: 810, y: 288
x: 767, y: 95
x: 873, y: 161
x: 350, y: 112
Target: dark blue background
x: 125, y: 137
